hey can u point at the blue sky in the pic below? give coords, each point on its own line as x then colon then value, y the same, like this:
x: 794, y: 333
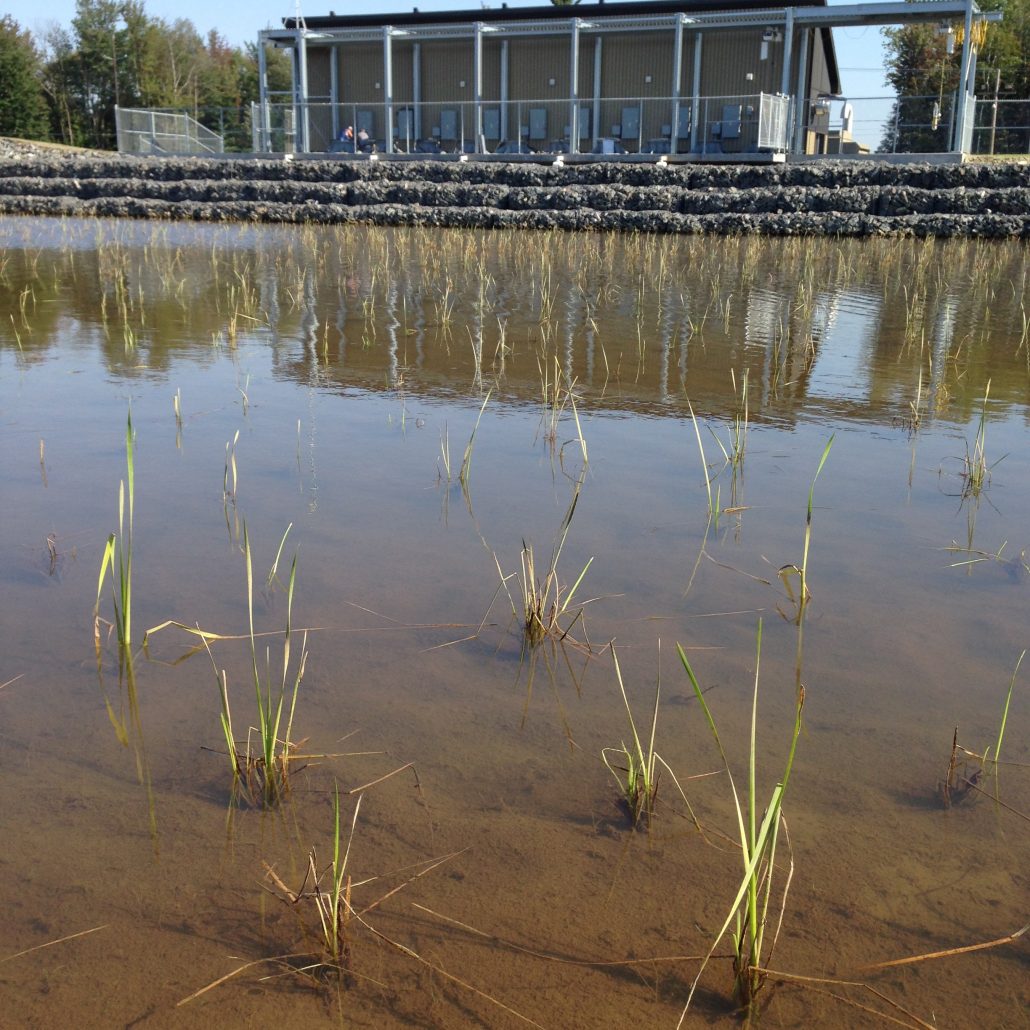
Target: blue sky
x: 859, y: 50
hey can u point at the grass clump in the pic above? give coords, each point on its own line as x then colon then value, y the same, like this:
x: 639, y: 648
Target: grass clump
x: 638, y: 776
x: 758, y: 829
x: 328, y: 892
x: 261, y: 766
x: 966, y: 769
x: 546, y: 605
x: 976, y: 472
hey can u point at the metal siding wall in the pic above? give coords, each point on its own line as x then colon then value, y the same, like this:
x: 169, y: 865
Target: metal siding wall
x: 403, y: 89
x: 318, y: 74
x: 320, y: 117
x: 532, y: 63
x: 628, y: 60
x: 491, y: 68
x: 444, y: 66
x: 726, y: 59
x: 361, y: 67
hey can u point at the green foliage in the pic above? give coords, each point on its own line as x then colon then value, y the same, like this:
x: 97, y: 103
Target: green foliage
x: 115, y: 53
x: 918, y: 66
x: 23, y: 110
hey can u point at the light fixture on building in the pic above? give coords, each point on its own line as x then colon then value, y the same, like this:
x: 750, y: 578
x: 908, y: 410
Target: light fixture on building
x: 647, y: 78
x: 769, y: 36
x: 550, y: 82
x: 461, y: 84
x: 948, y: 32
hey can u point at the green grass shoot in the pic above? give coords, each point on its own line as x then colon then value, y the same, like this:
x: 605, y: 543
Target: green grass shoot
x: 788, y: 571
x: 758, y: 830
x: 261, y: 767
x: 713, y: 504
x: 117, y: 557
x: 466, y: 461
x: 976, y: 472
x: 638, y: 777
x: 545, y: 602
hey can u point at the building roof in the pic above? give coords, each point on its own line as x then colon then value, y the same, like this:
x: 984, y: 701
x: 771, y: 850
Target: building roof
x: 629, y: 10
x: 621, y: 9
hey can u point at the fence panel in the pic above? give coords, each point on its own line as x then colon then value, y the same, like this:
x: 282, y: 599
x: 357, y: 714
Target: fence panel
x: 156, y: 131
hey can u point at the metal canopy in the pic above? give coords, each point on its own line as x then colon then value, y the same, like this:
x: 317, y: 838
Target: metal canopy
x: 318, y: 30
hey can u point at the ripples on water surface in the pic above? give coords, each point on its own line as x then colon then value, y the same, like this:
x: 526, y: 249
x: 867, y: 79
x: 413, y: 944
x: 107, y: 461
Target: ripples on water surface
x: 346, y: 359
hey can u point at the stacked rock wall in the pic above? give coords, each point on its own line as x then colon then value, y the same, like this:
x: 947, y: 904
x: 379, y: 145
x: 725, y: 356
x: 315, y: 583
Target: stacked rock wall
x: 831, y: 198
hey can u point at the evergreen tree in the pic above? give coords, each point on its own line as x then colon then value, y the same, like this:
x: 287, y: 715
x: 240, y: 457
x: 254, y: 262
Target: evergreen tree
x: 23, y: 108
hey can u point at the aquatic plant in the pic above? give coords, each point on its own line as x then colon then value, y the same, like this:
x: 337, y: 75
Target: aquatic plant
x: 713, y: 505
x: 445, y: 456
x: 759, y: 839
x: 733, y: 455
x: 545, y: 602
x: 261, y: 774
x: 976, y: 473
x: 958, y: 783
x: 638, y: 777
x: 466, y: 460
x: 801, y: 571
x: 331, y: 903
x: 117, y: 557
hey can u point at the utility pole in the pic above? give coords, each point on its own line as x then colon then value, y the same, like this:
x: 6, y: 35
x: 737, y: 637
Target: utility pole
x: 994, y: 107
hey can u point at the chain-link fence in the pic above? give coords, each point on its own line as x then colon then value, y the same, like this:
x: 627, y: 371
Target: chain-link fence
x: 752, y: 123
x: 149, y: 131
x: 1002, y: 127
x: 745, y: 124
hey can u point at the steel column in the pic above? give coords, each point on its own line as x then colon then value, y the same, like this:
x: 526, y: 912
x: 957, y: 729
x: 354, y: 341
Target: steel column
x: 266, y: 140
x: 574, y: 88
x: 696, y: 101
x: 801, y: 100
x: 477, y: 85
x: 416, y: 87
x: 387, y: 85
x: 962, y: 89
x: 788, y: 50
x: 598, y: 67
x: 334, y: 88
x: 677, y: 84
x: 302, y: 144
x: 503, y: 128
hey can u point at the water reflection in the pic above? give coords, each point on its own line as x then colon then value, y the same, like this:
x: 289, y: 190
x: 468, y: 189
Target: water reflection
x: 826, y: 329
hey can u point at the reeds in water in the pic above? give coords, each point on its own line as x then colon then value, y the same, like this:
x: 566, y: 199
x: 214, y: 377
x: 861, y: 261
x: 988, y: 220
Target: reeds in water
x: 546, y: 605
x: 758, y: 826
x: 117, y: 557
x: 976, y: 472
x: 261, y: 766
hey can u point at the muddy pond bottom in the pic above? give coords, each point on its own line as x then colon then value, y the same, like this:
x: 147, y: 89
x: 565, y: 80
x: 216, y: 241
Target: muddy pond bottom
x: 346, y: 468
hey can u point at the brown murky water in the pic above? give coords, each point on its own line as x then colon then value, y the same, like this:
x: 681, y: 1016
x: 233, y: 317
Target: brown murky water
x: 343, y: 358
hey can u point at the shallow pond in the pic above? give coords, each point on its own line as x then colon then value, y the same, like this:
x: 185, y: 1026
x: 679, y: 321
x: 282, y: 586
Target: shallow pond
x: 419, y: 407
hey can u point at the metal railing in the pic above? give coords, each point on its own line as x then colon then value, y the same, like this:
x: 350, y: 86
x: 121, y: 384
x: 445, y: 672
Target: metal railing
x: 156, y: 131
x: 740, y: 124
x: 1001, y: 127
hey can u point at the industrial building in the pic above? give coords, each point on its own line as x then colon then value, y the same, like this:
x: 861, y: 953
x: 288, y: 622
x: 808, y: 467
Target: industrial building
x: 703, y: 78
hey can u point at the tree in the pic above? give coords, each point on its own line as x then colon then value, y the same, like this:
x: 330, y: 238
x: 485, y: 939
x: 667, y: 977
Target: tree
x: 926, y: 78
x: 23, y: 108
x: 103, y: 67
